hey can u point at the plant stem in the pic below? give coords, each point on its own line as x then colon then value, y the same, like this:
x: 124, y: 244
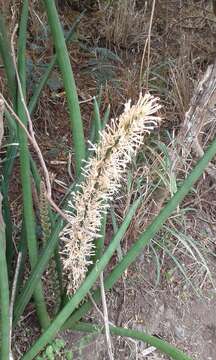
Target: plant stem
x: 161, y: 345
x: 69, y: 83
x: 29, y: 220
x: 4, y: 298
x: 7, y: 60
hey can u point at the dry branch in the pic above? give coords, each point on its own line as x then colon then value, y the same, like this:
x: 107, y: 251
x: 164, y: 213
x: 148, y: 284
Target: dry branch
x: 201, y: 113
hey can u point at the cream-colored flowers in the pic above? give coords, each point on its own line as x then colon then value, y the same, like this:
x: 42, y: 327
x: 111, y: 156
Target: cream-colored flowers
x: 103, y: 173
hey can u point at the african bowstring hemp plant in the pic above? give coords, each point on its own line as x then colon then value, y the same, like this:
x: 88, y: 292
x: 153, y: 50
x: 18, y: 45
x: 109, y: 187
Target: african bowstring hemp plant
x: 103, y: 174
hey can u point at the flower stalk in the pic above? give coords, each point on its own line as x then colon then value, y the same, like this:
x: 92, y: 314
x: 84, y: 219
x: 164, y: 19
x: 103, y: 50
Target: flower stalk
x: 103, y: 175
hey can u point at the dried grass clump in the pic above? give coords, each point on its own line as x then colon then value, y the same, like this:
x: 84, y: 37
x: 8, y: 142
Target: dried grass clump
x: 103, y: 176
x: 125, y: 25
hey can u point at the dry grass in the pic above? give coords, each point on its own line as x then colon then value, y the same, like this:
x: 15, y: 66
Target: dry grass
x: 125, y: 26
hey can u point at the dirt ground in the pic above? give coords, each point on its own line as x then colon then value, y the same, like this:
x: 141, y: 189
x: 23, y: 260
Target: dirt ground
x: 176, y: 315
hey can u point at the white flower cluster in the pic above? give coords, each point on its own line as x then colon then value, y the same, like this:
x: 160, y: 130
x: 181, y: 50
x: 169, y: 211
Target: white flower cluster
x: 103, y: 173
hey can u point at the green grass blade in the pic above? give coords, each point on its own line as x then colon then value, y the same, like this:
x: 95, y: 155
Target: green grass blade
x: 5, y: 52
x: 69, y: 83
x: 97, y: 121
x: 115, y: 229
x: 59, y: 272
x: 58, y: 268
x: 9, y: 226
x: 96, y: 126
x: 150, y: 232
x: 4, y: 284
x: 7, y: 168
x: 11, y: 123
x: 83, y: 290
x: 4, y: 295
x: 99, y: 242
x: 25, y: 169
x: 159, y: 344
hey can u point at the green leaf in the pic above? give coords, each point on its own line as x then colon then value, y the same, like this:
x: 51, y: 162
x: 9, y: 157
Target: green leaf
x: 4, y: 296
x: 69, y: 83
x: 161, y: 345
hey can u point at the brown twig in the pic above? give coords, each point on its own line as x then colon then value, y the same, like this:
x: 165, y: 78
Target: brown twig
x: 106, y: 318
x: 147, y: 43
x: 13, y: 294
